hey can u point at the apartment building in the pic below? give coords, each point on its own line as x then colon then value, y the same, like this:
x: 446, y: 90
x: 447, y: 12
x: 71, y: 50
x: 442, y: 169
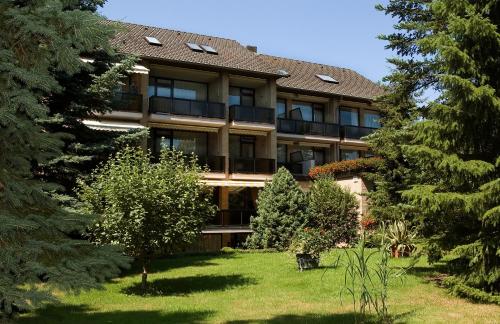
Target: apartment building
x: 244, y: 114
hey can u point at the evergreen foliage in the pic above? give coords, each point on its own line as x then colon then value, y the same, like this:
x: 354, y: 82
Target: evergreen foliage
x: 39, y: 246
x: 334, y: 210
x: 282, y: 208
x: 454, y: 149
x: 149, y: 209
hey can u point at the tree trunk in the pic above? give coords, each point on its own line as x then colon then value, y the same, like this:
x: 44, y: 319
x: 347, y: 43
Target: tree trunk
x: 144, y: 283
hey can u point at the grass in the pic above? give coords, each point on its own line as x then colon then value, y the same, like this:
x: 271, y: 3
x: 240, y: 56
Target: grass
x: 254, y: 288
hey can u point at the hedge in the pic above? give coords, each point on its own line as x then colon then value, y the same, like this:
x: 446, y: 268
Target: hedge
x: 354, y: 166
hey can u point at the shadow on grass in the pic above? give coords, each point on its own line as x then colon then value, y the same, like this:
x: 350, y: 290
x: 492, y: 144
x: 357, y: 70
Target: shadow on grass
x: 350, y: 317
x: 189, y: 285
x: 84, y: 314
x: 179, y: 261
x: 311, y: 318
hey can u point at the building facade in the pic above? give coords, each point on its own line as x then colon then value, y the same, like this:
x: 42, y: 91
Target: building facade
x: 244, y: 114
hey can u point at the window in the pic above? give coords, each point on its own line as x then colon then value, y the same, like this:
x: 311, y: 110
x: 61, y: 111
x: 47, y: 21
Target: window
x: 371, y: 119
x: 187, y: 142
x: 302, y: 111
x: 190, y: 90
x: 241, y: 96
x: 129, y: 85
x: 153, y: 40
x: 242, y: 146
x: 319, y: 157
x: 209, y: 49
x: 349, y: 155
x: 327, y: 78
x: 349, y: 116
x: 307, y: 111
x: 283, y: 72
x: 180, y: 89
x: 194, y: 47
x: 282, y: 153
x: 281, y: 108
x: 318, y: 113
x: 242, y: 198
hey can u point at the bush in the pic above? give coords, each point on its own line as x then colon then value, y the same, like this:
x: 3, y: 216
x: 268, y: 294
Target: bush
x: 354, y: 166
x: 281, y: 209
x: 311, y: 241
x: 334, y: 210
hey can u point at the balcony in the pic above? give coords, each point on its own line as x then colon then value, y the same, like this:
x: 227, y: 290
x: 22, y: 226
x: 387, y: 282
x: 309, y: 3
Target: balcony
x: 128, y: 102
x: 304, y: 127
x: 251, y: 114
x: 356, y: 132
x: 233, y: 217
x: 246, y: 165
x: 185, y: 107
x: 214, y: 163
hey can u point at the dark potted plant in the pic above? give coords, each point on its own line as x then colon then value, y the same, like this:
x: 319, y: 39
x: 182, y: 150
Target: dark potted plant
x: 307, y: 244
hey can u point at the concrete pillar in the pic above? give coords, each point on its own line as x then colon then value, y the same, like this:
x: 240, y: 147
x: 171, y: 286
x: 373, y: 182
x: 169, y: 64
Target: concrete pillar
x: 272, y: 141
x: 224, y: 201
x: 224, y: 131
x: 143, y: 90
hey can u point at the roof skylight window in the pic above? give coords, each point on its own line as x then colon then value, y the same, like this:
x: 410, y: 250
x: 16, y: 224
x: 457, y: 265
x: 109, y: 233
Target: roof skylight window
x: 209, y: 49
x: 327, y: 78
x: 153, y: 40
x: 283, y: 72
x: 194, y: 47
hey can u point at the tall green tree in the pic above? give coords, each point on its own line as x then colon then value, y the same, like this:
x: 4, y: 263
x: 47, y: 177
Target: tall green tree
x: 40, y: 249
x: 83, y: 95
x: 282, y: 208
x: 400, y: 106
x: 149, y: 209
x: 454, y: 150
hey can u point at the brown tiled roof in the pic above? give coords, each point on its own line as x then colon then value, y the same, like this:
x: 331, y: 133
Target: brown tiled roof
x: 231, y: 54
x: 302, y: 76
x: 235, y: 57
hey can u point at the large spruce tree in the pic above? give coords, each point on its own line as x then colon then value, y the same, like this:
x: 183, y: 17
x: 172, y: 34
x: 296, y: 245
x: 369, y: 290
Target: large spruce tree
x: 40, y: 247
x: 453, y: 149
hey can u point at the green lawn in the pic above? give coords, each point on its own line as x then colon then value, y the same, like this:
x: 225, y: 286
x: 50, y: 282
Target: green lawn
x: 254, y: 287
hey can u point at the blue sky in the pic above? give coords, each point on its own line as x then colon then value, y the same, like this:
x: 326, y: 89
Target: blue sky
x: 335, y: 32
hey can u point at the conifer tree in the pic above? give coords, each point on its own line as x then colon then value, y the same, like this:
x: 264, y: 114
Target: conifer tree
x: 39, y: 250
x: 282, y: 208
x: 454, y: 150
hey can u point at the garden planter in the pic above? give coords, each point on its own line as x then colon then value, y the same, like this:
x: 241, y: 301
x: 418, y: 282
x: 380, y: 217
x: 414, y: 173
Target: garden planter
x: 307, y: 261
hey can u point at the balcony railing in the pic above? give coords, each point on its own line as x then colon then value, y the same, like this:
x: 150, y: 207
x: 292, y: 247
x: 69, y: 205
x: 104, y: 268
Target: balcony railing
x: 251, y: 114
x: 186, y: 107
x: 214, y: 163
x: 233, y: 217
x: 304, y: 127
x: 245, y: 165
x: 356, y: 132
x: 129, y: 102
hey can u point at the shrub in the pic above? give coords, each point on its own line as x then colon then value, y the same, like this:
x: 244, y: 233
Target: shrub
x: 401, y: 239
x: 149, y: 209
x: 334, y: 210
x: 355, y: 166
x: 281, y: 210
x: 311, y: 241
